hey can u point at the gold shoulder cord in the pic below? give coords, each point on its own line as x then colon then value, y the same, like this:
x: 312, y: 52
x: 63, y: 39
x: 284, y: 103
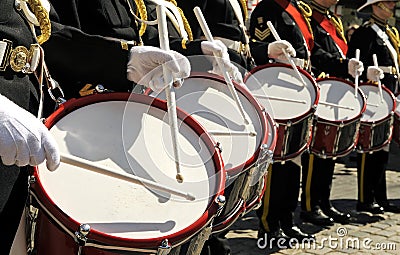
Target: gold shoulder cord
x: 393, y: 34
x: 307, y: 13
x: 142, y: 14
x: 43, y: 18
x: 338, y: 25
x: 185, y: 21
x: 244, y: 6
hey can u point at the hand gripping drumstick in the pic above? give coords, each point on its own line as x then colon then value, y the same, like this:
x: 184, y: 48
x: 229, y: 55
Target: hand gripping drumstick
x: 209, y: 37
x: 169, y: 91
x: 357, y: 74
x: 375, y: 59
x: 92, y: 166
x: 277, y: 37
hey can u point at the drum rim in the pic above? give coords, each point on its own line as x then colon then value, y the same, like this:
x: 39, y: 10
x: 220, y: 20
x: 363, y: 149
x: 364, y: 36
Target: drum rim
x: 97, y: 236
x: 305, y: 73
x: 364, y: 99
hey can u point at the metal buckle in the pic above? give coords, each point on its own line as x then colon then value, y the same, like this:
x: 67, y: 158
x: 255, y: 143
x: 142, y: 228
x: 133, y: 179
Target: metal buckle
x: 5, y: 50
x: 19, y: 58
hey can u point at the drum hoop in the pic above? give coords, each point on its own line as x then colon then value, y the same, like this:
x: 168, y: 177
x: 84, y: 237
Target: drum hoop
x: 390, y: 93
x: 309, y: 77
x: 174, y: 238
x: 360, y: 93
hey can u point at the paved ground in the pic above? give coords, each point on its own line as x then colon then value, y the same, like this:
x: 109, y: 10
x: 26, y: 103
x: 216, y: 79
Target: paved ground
x: 366, y: 235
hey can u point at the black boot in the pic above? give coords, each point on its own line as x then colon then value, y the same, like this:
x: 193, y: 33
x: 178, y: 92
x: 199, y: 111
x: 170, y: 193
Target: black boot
x: 291, y: 231
x: 336, y: 215
x: 373, y: 208
x: 316, y: 217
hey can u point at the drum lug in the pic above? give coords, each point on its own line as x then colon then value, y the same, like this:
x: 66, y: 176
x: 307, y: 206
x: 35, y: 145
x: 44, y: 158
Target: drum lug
x: 164, y: 248
x: 80, y: 236
x: 220, y: 201
x: 218, y: 146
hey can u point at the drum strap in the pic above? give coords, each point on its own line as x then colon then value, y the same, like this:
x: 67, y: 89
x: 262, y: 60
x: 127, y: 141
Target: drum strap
x: 331, y: 28
x: 300, y: 21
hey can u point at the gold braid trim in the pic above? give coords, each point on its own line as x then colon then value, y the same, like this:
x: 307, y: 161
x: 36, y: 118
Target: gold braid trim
x: 244, y: 6
x: 142, y: 14
x: 186, y: 24
x: 42, y: 16
x: 338, y: 25
x: 307, y: 13
x: 393, y: 34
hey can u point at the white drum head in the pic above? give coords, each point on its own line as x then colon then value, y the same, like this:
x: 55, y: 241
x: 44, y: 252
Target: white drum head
x: 129, y: 137
x: 337, y: 101
x: 377, y: 109
x: 286, y: 93
x: 210, y: 102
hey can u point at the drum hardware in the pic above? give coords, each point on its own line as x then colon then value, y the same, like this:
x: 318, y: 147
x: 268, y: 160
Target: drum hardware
x: 80, y: 236
x: 244, y: 133
x: 228, y: 80
x: 164, y: 248
x: 218, y: 146
x: 220, y: 200
x: 92, y: 166
x: 277, y: 38
x: 281, y: 99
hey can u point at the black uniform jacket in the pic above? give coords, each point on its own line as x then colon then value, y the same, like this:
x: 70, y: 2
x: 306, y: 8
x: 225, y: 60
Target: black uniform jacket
x: 260, y: 36
x: 369, y: 43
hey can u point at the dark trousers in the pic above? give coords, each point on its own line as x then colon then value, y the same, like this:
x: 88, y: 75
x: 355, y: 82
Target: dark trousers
x: 14, y: 191
x: 317, y: 175
x: 280, y: 197
x: 371, y: 176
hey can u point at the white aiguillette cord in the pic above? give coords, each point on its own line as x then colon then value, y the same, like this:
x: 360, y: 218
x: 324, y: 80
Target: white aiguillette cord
x: 209, y: 37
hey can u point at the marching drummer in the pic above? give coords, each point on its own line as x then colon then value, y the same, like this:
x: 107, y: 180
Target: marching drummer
x: 376, y: 36
x: 290, y: 18
x: 328, y: 57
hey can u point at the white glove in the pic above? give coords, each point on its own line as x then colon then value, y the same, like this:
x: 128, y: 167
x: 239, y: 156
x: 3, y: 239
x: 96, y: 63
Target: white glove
x: 374, y: 73
x: 355, y: 67
x: 24, y: 139
x: 144, y: 59
x: 218, y: 49
x: 277, y: 50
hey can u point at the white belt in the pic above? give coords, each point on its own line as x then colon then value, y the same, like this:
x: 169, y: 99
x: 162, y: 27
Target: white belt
x: 388, y: 69
x: 237, y: 46
x: 20, y: 59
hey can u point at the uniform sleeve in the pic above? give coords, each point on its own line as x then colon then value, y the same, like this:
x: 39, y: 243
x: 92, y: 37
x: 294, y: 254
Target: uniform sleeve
x: 260, y: 35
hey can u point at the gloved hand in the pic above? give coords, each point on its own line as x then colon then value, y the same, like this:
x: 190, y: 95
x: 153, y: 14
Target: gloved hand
x: 374, y: 73
x: 355, y: 67
x: 24, y: 139
x: 218, y: 49
x: 276, y: 50
x: 144, y: 59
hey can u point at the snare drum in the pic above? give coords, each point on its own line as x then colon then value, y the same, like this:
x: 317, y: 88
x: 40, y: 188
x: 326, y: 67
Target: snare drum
x: 338, y: 115
x: 244, y: 148
x: 396, y: 124
x: 377, y: 121
x: 128, y: 133
x: 293, y: 105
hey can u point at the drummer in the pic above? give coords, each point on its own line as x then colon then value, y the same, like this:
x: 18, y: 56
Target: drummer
x: 283, y: 180
x: 376, y: 36
x: 328, y: 57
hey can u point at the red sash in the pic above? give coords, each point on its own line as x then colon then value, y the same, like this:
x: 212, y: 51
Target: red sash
x: 331, y: 29
x: 300, y: 21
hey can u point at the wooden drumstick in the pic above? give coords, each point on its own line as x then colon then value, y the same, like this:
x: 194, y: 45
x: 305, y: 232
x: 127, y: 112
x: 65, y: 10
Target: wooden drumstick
x: 291, y: 62
x: 209, y: 37
x: 94, y: 167
x: 375, y: 59
x: 357, y: 74
x: 169, y: 91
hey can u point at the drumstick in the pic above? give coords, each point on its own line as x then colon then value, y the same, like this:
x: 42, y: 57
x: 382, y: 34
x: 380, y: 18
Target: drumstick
x: 94, y: 167
x: 244, y: 133
x: 375, y: 59
x: 291, y: 62
x: 281, y: 99
x: 357, y: 74
x: 169, y: 91
x: 209, y: 37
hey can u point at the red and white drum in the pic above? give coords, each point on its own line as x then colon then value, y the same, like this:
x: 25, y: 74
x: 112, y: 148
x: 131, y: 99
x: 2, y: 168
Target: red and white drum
x: 293, y: 104
x: 130, y: 134
x: 338, y: 116
x: 246, y: 148
x: 377, y: 121
x: 396, y: 124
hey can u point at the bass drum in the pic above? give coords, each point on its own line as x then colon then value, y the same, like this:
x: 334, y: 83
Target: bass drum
x: 377, y: 121
x: 76, y: 211
x: 293, y: 105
